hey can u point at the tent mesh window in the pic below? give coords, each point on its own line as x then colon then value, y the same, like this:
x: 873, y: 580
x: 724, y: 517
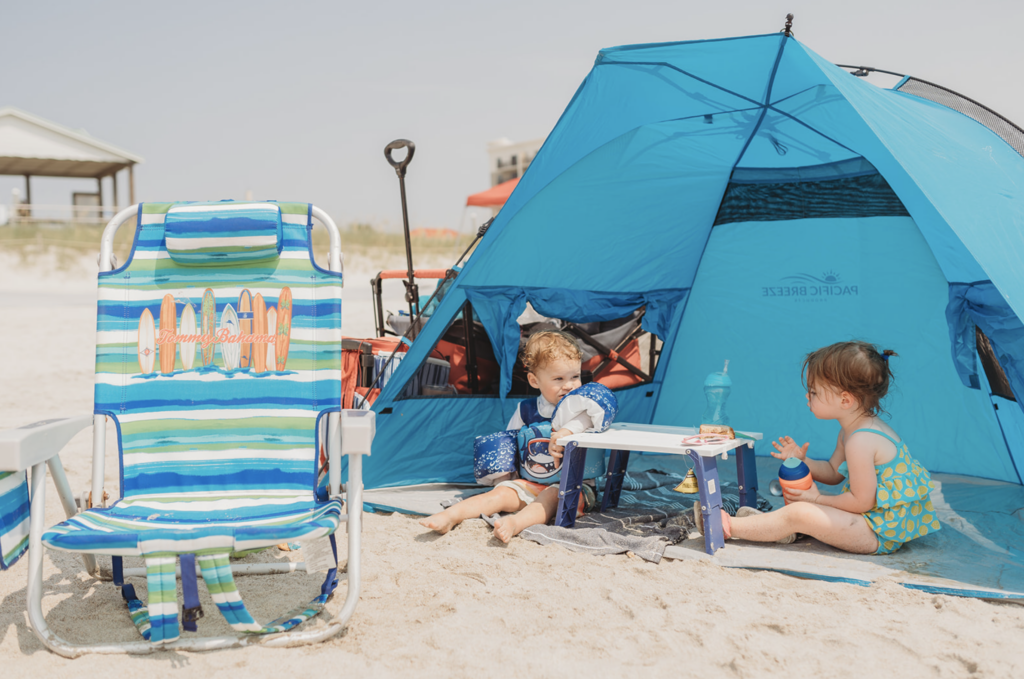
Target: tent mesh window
x: 867, y: 195
x: 997, y: 380
x: 1010, y: 133
x: 617, y: 353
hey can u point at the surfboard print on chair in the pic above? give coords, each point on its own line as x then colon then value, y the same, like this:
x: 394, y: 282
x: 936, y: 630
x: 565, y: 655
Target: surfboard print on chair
x: 147, y: 342
x: 209, y: 325
x: 229, y: 350
x: 272, y: 345
x: 168, y: 324
x: 259, y: 327
x: 187, y: 327
x: 284, y: 326
x: 245, y: 326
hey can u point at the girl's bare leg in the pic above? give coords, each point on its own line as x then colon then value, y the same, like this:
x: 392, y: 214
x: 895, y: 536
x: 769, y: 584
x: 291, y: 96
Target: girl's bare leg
x: 539, y: 511
x: 849, y: 532
x: 491, y: 502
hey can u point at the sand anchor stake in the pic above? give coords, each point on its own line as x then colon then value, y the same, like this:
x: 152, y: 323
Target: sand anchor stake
x: 412, y: 292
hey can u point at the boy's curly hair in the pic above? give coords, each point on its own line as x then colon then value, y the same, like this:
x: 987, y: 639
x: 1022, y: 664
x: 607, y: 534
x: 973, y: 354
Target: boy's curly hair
x: 857, y: 367
x: 550, y: 345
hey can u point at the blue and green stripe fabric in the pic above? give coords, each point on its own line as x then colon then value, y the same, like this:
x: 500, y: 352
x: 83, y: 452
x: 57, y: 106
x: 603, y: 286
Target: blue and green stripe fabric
x: 14, y: 523
x: 223, y: 233
x: 218, y: 449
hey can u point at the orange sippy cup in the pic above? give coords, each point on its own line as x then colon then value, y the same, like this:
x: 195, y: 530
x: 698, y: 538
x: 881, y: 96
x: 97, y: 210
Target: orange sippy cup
x: 795, y: 474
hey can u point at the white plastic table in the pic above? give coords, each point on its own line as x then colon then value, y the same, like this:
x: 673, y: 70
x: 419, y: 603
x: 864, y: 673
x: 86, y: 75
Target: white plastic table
x: 624, y: 437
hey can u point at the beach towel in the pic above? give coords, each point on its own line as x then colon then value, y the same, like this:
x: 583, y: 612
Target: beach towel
x: 650, y: 517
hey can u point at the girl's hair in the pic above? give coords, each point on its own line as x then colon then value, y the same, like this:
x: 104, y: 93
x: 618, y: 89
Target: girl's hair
x: 550, y: 345
x: 857, y: 367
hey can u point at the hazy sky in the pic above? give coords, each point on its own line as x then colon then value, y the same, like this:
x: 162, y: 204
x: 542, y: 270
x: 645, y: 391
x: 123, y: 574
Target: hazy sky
x: 296, y: 101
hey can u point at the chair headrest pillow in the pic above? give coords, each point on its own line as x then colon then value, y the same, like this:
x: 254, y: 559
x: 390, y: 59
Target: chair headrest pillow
x: 220, y: 234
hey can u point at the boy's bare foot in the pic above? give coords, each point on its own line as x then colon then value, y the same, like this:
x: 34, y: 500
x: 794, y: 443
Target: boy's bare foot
x: 505, y: 528
x: 441, y: 522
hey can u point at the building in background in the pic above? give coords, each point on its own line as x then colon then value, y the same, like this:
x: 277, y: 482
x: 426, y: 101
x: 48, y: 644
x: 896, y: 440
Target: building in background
x: 508, y: 162
x: 509, y: 159
x: 31, y: 146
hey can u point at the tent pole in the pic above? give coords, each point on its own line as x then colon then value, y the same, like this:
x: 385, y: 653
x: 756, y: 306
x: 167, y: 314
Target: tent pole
x: 467, y: 324
x: 113, y: 180
x: 131, y: 184
x: 28, y: 196
x: 99, y: 194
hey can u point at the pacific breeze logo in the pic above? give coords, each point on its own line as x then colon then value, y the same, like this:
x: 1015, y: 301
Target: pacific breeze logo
x: 809, y: 287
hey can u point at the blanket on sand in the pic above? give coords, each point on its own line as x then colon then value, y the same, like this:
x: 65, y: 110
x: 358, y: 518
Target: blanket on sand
x: 650, y: 517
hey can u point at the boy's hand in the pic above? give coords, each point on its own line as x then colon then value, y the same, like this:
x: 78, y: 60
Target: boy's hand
x: 787, y: 448
x: 554, y: 448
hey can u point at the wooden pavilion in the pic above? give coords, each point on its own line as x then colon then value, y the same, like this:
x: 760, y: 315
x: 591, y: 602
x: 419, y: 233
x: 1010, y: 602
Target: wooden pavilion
x: 33, y: 147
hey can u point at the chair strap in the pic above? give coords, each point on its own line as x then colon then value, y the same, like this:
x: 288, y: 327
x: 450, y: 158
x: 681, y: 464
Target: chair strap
x: 157, y: 622
x: 162, y: 582
x: 219, y: 580
x: 191, y: 609
x: 136, y: 608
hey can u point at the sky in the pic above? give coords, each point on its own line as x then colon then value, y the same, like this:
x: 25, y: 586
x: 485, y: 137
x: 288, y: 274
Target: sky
x: 296, y: 101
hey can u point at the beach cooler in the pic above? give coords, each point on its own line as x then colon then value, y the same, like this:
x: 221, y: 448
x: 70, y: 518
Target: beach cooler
x: 218, y: 358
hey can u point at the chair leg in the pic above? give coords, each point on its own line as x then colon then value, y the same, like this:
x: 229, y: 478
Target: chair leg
x: 67, y: 499
x: 37, y: 514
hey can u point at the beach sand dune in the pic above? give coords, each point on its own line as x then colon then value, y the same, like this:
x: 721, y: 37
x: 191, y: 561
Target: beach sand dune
x: 463, y: 604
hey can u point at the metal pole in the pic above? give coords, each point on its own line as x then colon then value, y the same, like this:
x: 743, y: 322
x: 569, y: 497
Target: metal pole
x: 411, y: 289
x: 471, y: 369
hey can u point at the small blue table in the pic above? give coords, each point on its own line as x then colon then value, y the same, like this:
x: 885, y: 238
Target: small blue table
x: 624, y: 437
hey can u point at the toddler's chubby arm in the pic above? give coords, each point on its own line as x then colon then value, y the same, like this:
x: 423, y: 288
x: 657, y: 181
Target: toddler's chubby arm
x: 578, y: 424
x: 821, y: 470
x: 555, y: 449
x: 860, y: 461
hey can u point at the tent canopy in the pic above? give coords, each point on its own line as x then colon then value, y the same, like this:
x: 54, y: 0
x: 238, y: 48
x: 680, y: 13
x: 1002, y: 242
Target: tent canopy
x: 30, y: 145
x: 496, y: 196
x: 760, y: 202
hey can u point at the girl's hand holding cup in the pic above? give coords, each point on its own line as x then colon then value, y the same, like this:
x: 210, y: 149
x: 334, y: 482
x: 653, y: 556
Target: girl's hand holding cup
x: 792, y: 494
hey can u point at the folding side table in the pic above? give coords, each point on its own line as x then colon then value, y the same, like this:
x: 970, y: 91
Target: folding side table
x: 623, y: 438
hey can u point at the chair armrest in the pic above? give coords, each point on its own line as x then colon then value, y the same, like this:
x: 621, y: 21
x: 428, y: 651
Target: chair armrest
x: 27, y: 446
x: 358, y: 428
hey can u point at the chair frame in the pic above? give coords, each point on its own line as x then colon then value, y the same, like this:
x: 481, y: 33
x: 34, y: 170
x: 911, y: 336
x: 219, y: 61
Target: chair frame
x: 350, y: 433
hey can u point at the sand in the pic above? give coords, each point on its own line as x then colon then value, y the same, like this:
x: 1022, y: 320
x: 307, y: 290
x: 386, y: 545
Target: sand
x: 464, y: 605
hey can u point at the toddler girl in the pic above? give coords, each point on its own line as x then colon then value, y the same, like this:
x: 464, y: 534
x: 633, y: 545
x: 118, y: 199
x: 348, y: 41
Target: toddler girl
x: 885, y: 500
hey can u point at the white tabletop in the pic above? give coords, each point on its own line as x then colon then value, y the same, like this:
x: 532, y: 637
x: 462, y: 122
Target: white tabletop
x: 654, y: 438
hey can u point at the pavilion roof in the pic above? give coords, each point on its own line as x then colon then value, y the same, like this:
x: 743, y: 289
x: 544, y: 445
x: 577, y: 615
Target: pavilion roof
x: 30, y: 145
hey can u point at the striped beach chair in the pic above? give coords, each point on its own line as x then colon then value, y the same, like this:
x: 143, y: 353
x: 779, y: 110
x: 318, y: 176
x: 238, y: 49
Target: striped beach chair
x: 218, y: 358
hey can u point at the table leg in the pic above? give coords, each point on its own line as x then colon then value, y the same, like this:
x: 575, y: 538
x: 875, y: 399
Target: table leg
x: 617, y: 461
x: 706, y: 469
x: 746, y: 475
x: 573, y: 460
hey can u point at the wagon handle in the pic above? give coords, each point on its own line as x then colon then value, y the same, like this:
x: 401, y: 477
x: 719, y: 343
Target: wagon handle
x: 400, y: 165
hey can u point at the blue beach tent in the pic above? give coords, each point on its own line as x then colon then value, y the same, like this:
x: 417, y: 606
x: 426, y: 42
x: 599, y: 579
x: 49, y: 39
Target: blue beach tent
x: 759, y: 202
